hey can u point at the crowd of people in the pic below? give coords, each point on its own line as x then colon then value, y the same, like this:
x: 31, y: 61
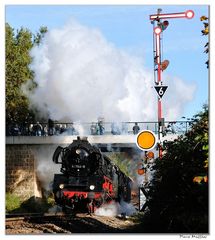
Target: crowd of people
x: 51, y: 128
x: 38, y: 129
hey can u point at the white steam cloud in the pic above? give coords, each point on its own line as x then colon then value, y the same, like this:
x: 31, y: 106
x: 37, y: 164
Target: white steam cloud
x: 115, y: 208
x: 81, y: 76
x: 45, y: 167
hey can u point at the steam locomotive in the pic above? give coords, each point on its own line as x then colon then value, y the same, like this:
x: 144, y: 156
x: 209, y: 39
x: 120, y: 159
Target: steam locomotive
x: 89, y: 178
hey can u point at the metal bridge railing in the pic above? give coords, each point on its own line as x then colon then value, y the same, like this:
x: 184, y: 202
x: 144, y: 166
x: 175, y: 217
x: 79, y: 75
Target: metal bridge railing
x: 96, y: 128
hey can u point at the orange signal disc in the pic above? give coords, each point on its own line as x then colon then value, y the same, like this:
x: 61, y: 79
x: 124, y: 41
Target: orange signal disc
x: 164, y: 65
x: 150, y: 155
x: 141, y: 171
x: 146, y: 140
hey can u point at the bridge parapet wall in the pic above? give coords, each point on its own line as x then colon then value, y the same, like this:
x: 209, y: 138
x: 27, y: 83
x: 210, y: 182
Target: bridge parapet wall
x: 61, y: 140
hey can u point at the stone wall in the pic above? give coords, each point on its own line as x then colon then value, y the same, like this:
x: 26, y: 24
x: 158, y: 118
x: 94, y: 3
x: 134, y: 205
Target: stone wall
x: 20, y: 174
x: 29, y: 169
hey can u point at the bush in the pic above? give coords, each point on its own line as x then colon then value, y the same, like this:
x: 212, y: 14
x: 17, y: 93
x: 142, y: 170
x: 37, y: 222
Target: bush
x: 12, y: 202
x: 36, y: 205
x: 177, y: 203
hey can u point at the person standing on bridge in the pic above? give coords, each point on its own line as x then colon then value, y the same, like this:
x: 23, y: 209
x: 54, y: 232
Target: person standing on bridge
x: 136, y: 128
x: 50, y: 127
x: 101, y: 128
x: 38, y: 129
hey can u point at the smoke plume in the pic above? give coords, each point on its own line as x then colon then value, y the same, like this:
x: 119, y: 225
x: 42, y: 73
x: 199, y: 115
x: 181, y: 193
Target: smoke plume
x: 115, y: 208
x: 45, y: 167
x: 81, y: 76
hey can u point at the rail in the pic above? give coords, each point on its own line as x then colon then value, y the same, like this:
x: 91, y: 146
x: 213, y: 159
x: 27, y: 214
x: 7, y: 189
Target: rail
x: 96, y: 128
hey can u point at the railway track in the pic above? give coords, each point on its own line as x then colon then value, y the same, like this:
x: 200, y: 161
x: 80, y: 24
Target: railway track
x: 67, y: 224
x: 27, y: 216
x: 35, y: 223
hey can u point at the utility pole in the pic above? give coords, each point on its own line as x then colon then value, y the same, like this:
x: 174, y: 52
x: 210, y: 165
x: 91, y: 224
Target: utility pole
x: 158, y: 27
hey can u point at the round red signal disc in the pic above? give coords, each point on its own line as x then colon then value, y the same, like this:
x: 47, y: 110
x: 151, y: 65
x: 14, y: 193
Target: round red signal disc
x: 157, y: 30
x: 189, y: 14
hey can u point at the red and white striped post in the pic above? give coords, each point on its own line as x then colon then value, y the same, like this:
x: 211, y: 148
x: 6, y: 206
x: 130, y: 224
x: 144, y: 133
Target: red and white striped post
x: 157, y: 32
x: 157, y: 36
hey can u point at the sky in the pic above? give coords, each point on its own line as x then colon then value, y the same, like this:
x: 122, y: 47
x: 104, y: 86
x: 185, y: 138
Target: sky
x: 128, y: 28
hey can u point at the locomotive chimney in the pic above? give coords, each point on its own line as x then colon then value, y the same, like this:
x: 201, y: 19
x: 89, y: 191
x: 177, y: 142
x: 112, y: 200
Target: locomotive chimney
x: 84, y: 138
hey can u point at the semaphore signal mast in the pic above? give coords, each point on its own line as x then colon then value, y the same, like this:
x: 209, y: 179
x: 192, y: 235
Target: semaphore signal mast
x: 159, y: 25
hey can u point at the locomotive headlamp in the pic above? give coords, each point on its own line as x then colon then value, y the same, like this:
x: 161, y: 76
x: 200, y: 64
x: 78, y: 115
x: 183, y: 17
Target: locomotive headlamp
x: 78, y: 151
x: 92, y: 187
x: 82, y: 152
x: 61, y: 186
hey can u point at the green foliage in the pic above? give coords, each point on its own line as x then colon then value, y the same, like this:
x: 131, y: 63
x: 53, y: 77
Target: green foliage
x: 36, y: 205
x: 50, y: 201
x: 18, y: 72
x: 39, y: 36
x: 12, y: 202
x: 176, y: 203
x: 205, y: 32
x: 122, y: 162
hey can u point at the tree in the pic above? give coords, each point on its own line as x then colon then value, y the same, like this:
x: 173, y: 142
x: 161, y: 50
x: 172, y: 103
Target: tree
x: 205, y: 32
x: 177, y: 202
x: 40, y: 35
x: 18, y: 72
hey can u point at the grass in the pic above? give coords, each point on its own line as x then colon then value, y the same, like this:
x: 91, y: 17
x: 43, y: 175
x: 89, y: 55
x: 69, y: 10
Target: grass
x: 14, y: 204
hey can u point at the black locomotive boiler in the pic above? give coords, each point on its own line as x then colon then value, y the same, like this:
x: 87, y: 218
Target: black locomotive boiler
x: 88, y: 178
